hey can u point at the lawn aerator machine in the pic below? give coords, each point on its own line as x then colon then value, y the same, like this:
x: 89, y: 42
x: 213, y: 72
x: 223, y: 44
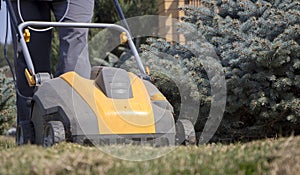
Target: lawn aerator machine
x: 112, y: 107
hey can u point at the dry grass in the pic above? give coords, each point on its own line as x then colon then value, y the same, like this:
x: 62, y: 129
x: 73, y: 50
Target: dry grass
x: 270, y: 156
x: 288, y: 157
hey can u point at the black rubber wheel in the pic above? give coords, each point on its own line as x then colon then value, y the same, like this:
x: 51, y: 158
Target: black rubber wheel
x: 54, y: 132
x: 185, y: 132
x: 25, y: 133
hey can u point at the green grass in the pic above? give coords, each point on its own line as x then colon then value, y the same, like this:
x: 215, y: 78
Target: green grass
x: 281, y: 156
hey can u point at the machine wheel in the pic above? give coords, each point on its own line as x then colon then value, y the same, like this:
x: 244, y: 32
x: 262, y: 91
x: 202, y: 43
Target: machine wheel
x: 54, y: 132
x: 25, y: 133
x: 185, y: 132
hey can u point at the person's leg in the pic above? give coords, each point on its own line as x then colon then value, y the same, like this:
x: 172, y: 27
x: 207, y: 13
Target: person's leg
x: 74, y: 41
x: 39, y: 48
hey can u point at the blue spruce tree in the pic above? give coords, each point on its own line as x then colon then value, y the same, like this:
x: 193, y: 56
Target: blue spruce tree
x: 258, y: 42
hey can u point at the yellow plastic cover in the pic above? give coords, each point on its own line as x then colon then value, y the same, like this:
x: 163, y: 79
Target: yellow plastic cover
x: 116, y: 116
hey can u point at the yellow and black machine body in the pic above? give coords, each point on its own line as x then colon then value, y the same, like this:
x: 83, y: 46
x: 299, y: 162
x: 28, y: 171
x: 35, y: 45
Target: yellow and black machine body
x: 113, y: 106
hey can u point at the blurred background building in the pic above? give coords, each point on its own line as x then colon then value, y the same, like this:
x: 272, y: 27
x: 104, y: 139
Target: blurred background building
x: 169, y: 8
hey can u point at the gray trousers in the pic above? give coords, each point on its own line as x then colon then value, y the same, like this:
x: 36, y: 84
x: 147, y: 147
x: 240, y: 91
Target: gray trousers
x: 73, y: 43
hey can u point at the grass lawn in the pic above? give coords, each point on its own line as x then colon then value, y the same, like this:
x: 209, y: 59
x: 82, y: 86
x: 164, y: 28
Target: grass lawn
x: 271, y: 156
